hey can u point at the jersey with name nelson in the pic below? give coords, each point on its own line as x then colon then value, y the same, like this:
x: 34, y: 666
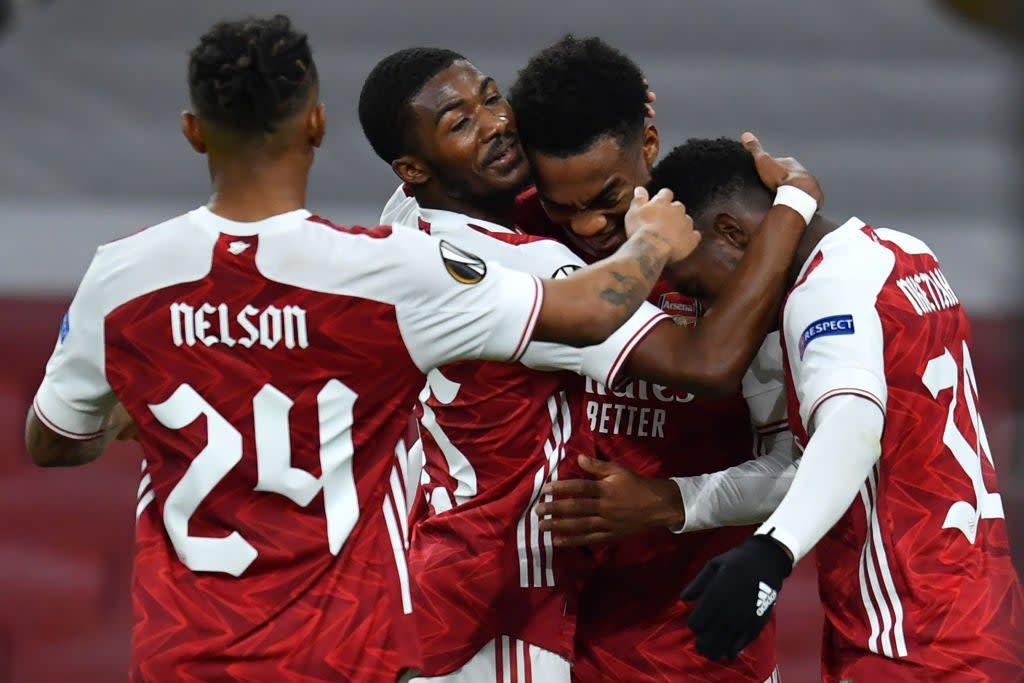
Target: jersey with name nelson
x: 916, y: 575
x: 270, y: 399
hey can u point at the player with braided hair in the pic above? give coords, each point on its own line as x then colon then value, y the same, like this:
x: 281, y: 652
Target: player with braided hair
x: 269, y: 80
x: 268, y: 360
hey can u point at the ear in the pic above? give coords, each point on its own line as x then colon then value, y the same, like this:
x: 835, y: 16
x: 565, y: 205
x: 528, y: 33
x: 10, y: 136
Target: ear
x: 729, y: 229
x: 316, y: 124
x: 651, y: 144
x: 411, y: 169
x: 193, y: 131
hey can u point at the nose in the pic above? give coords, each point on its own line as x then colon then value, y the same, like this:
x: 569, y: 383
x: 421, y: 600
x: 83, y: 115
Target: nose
x: 588, y: 223
x: 494, y: 124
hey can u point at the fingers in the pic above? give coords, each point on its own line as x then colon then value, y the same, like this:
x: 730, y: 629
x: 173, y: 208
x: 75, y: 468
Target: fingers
x: 577, y: 531
x: 640, y: 197
x: 572, y: 488
x: 739, y: 642
x: 751, y: 144
x: 569, y: 508
x: 582, y: 540
x: 569, y: 529
x: 664, y: 195
x: 651, y: 98
x: 772, y: 173
x: 699, y: 584
x: 599, y: 468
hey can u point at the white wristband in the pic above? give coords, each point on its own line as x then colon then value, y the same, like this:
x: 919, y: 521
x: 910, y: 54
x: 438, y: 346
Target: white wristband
x: 798, y: 200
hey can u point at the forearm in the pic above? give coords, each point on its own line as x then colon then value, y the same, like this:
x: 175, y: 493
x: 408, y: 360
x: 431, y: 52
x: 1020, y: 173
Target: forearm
x: 845, y: 445
x: 743, y: 494
x: 47, y: 448
x: 730, y: 334
x: 588, y: 306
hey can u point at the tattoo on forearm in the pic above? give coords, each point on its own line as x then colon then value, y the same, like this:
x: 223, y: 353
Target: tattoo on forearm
x: 630, y: 291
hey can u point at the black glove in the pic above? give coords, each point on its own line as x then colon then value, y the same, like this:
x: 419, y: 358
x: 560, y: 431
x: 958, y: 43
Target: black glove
x: 736, y: 590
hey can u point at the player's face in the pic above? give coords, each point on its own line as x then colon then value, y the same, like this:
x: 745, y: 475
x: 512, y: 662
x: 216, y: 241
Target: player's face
x: 465, y: 131
x: 590, y: 192
x: 704, y: 273
x: 724, y: 237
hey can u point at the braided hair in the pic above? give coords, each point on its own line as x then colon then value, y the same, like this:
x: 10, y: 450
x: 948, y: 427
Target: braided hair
x: 384, y: 110
x: 252, y: 74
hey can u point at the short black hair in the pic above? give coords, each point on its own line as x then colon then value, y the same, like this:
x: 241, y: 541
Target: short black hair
x: 250, y: 75
x: 384, y: 110
x: 576, y: 91
x: 702, y: 172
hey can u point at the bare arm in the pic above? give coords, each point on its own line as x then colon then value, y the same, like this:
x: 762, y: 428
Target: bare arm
x: 713, y: 356
x: 595, y: 301
x: 48, y: 448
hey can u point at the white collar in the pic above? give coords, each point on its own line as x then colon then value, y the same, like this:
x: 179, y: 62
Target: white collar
x: 440, y: 216
x: 208, y: 219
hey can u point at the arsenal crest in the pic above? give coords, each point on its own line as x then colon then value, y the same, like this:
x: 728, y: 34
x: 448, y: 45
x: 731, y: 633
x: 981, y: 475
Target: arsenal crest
x: 684, y: 310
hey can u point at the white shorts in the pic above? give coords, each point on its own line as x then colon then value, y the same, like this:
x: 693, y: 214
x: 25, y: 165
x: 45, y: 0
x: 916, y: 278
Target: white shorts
x: 507, y: 660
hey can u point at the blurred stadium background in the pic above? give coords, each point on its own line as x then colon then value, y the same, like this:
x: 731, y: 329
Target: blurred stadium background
x: 904, y: 110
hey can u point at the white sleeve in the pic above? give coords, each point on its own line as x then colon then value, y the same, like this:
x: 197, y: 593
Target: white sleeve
x: 764, y: 388
x: 456, y: 306
x: 743, y: 494
x: 602, y: 362
x: 74, y: 397
x: 845, y: 444
x: 747, y: 493
x: 834, y: 336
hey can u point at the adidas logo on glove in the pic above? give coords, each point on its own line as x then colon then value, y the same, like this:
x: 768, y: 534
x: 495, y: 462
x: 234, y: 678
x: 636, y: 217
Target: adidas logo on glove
x: 765, y: 598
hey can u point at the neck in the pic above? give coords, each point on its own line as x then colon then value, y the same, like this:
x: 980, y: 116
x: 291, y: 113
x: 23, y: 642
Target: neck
x: 501, y: 210
x: 816, y: 230
x: 250, y: 190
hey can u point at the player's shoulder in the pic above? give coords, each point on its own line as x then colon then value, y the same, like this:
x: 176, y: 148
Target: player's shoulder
x: 163, y: 254
x: 906, y: 243
x: 533, y: 254
x: 169, y: 230
x: 849, y: 260
x: 372, y: 232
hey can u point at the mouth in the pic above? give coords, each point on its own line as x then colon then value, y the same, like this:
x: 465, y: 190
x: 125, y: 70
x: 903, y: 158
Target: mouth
x: 505, y: 156
x: 607, y: 241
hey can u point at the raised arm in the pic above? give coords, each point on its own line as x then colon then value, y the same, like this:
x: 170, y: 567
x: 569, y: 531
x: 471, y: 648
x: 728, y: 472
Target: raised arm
x: 587, y: 307
x: 713, y: 356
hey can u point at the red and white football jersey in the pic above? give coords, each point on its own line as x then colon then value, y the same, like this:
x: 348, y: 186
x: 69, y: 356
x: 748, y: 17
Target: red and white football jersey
x: 492, y: 436
x: 915, y: 578
x: 271, y: 368
x: 632, y: 624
